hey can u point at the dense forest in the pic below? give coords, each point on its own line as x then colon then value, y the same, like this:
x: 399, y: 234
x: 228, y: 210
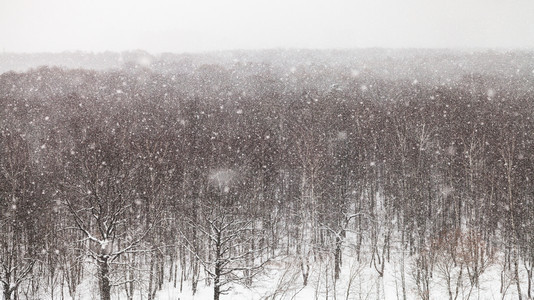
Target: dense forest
x: 188, y: 171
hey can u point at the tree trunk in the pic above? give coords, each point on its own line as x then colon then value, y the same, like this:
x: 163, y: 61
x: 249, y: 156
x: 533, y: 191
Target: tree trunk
x: 216, y: 287
x: 403, y: 276
x: 151, y: 279
x: 7, y: 292
x: 517, y: 282
x: 305, y: 272
x: 529, y: 279
x: 218, y: 266
x: 337, y: 258
x: 529, y: 286
x: 105, y: 285
x: 217, y: 280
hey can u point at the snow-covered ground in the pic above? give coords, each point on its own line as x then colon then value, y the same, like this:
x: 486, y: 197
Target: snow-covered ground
x: 283, y: 279
x: 357, y: 281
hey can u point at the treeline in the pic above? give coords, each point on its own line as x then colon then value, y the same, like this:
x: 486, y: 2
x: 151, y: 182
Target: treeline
x: 160, y: 178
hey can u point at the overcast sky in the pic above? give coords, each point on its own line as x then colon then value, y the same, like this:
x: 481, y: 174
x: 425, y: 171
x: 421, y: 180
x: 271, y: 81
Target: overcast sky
x: 204, y: 25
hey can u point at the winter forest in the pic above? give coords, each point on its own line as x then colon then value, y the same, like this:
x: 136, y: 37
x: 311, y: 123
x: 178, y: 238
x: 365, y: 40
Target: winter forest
x: 273, y: 174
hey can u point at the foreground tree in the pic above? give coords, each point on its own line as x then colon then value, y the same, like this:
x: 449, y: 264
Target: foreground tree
x: 231, y: 256
x: 104, y: 202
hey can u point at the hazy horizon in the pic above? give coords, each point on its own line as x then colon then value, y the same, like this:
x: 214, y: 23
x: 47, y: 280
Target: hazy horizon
x: 160, y: 26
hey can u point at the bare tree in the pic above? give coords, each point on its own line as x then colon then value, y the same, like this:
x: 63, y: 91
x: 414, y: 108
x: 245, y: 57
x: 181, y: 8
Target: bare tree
x: 19, y: 229
x: 229, y: 236
x: 102, y: 198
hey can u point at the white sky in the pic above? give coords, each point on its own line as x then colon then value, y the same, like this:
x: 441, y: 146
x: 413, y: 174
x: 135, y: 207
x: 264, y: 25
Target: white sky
x: 203, y: 25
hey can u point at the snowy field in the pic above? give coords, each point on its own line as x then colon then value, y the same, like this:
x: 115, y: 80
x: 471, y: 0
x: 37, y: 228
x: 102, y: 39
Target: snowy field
x: 357, y: 281
x: 283, y: 279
